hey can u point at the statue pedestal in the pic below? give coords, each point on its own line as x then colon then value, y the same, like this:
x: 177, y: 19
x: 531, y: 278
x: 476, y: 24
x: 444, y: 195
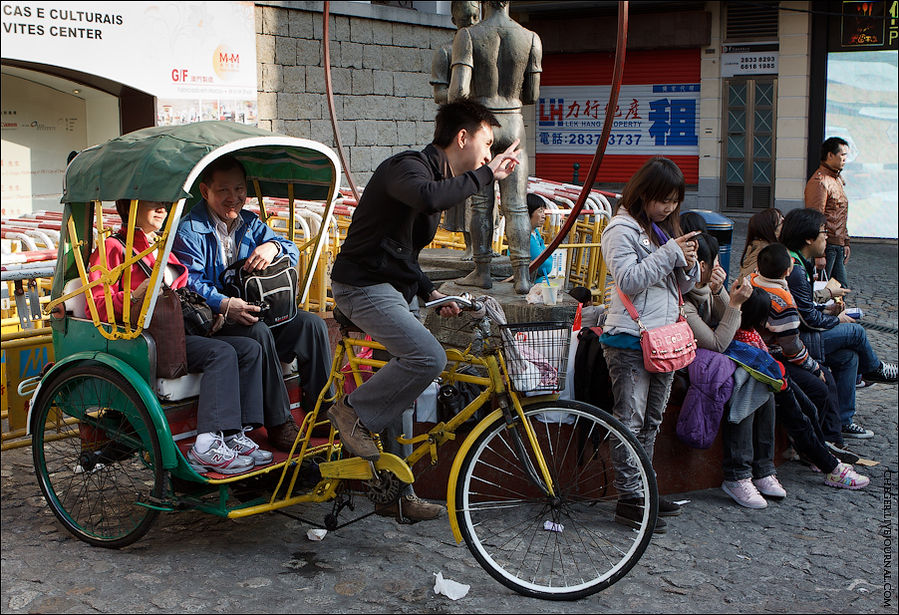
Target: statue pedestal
x: 446, y: 264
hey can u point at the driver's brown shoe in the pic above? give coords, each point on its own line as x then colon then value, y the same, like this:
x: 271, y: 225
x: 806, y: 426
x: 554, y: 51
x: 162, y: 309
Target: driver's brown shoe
x: 411, y: 508
x: 353, y: 435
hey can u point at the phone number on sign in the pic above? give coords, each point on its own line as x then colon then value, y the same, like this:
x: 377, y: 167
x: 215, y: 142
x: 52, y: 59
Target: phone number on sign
x: 614, y: 139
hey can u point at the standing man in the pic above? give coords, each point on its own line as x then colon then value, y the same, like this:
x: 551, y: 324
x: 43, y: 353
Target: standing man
x: 216, y: 234
x: 824, y: 192
x: 497, y: 63
x: 376, y: 276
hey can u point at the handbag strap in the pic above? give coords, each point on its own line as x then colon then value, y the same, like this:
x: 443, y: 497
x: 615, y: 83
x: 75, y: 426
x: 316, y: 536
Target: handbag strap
x: 140, y: 262
x: 633, y: 311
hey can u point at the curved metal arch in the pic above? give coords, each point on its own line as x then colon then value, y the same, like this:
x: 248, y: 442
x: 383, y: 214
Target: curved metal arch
x: 620, y: 52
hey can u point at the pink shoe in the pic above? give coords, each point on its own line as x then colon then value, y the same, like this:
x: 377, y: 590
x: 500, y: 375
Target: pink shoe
x: 844, y: 476
x: 744, y: 493
x: 770, y: 487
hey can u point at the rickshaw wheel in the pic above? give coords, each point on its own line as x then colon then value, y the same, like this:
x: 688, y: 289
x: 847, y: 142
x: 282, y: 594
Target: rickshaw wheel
x: 96, y: 455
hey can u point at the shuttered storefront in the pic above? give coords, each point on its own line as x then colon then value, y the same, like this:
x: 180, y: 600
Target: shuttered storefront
x: 657, y: 114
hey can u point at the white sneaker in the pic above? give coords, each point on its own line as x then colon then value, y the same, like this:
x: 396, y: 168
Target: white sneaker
x: 220, y: 458
x: 770, y: 487
x: 844, y: 476
x: 744, y: 493
x: 243, y: 445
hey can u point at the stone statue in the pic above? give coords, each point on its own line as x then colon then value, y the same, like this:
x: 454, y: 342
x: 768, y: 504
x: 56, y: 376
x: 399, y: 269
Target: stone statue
x: 464, y: 14
x: 497, y: 63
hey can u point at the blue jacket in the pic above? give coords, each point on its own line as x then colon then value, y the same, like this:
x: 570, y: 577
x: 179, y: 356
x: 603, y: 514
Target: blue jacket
x: 197, y: 247
x: 537, y: 248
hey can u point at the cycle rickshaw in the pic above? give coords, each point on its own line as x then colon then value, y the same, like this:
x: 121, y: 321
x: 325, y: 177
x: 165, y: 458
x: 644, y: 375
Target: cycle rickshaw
x: 531, y: 488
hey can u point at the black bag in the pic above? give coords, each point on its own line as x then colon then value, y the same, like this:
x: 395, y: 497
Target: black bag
x: 198, y: 316
x: 591, y: 374
x: 274, y: 289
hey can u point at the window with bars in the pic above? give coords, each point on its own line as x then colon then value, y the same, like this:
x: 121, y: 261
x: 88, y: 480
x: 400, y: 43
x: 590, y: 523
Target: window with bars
x: 749, y: 144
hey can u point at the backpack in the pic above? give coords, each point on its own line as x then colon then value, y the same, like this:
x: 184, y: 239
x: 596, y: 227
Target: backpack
x: 274, y: 289
x: 591, y: 374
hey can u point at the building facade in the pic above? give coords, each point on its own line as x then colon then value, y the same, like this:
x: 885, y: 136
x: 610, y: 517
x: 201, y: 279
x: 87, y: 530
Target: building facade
x: 740, y: 94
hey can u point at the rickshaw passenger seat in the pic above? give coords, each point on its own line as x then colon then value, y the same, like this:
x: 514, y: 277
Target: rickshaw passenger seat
x: 77, y: 305
x: 176, y: 389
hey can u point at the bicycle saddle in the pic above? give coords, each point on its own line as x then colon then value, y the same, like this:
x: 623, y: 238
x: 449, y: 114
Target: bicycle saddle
x: 345, y: 323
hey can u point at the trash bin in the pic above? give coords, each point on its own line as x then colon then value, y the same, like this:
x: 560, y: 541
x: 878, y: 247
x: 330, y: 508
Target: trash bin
x: 721, y: 228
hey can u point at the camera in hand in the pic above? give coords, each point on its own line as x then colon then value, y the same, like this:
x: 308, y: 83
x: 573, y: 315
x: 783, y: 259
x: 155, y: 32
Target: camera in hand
x: 263, y: 306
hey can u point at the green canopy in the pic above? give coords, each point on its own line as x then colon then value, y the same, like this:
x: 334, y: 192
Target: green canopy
x: 155, y: 164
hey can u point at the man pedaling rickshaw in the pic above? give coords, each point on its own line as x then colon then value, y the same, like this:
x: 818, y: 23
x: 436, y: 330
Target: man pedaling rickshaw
x: 376, y: 277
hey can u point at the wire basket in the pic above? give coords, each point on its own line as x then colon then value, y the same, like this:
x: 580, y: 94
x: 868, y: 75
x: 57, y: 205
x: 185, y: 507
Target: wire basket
x: 536, y: 355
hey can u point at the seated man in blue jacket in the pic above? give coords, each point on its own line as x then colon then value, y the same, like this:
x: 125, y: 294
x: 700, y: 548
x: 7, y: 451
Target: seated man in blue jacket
x: 836, y: 338
x: 216, y: 234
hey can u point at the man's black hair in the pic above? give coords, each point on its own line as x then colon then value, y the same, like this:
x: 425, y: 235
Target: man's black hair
x: 453, y: 117
x: 225, y: 163
x: 754, y: 311
x: 799, y: 226
x: 774, y: 260
x: 832, y: 146
x: 706, y: 249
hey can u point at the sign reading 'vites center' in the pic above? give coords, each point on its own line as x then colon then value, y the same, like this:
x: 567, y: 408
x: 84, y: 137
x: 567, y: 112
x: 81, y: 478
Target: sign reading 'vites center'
x: 186, y: 51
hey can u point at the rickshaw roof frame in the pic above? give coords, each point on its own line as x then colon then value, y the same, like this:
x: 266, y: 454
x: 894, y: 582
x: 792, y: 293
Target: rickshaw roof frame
x: 120, y: 153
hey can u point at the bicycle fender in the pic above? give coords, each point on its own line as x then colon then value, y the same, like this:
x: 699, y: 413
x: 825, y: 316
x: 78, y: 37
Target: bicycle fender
x: 457, y: 466
x: 146, y: 394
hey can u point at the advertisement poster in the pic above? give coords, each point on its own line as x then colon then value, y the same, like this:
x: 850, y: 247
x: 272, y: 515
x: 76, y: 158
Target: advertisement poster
x: 650, y: 119
x: 861, y: 108
x: 197, y: 58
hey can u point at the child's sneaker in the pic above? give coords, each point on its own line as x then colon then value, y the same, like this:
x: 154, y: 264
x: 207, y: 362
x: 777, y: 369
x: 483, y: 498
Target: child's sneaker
x: 243, y: 445
x: 845, y: 477
x: 744, y: 493
x: 770, y: 487
x: 220, y: 458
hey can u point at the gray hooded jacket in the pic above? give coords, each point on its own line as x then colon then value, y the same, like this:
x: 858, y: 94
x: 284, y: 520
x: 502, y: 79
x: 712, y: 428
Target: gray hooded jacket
x: 643, y: 272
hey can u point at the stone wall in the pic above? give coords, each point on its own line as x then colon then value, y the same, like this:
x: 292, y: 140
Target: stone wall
x: 380, y: 68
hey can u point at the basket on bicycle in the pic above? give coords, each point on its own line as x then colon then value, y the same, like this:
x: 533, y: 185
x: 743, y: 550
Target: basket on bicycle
x: 536, y: 355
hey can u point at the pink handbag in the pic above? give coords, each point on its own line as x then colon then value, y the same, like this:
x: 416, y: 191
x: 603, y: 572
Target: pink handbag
x: 667, y: 348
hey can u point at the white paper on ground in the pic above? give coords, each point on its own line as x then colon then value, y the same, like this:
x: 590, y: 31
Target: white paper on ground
x: 316, y: 535
x: 681, y: 502
x: 549, y: 526
x: 449, y: 588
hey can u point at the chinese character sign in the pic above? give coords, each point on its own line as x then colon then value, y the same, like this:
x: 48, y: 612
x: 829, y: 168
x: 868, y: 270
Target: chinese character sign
x: 660, y: 119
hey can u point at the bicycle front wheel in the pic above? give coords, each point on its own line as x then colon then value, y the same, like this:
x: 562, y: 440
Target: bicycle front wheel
x: 564, y: 545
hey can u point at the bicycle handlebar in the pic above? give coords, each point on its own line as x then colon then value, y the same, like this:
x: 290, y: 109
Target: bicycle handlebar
x: 465, y: 301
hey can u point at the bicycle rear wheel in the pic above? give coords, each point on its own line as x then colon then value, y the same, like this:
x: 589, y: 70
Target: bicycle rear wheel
x: 568, y: 545
x: 96, y: 455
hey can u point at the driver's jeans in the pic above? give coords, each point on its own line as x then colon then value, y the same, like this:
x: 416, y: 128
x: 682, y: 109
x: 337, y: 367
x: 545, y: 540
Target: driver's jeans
x: 382, y: 312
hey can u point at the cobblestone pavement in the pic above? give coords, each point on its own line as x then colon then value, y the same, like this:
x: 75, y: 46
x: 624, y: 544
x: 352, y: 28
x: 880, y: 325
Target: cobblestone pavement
x: 820, y: 550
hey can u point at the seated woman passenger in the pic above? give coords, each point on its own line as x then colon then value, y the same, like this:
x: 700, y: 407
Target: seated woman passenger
x: 230, y: 401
